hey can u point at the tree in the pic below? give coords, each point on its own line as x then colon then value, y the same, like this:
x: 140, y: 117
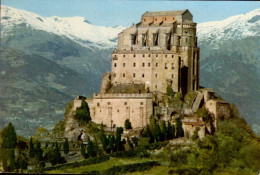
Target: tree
x: 91, y: 149
x: 31, y: 149
x: 135, y: 141
x: 157, y: 133
x: 103, y: 138
x: 169, y: 91
x: 22, y: 161
x: 12, y: 159
x: 170, y: 131
x: 83, y: 113
x: 118, y: 144
x: 152, y: 124
x: 179, y: 129
x: 66, y: 146
x: 128, y: 124
x: 8, y: 136
x: 38, y: 152
x: 163, y: 130
x: 82, y: 150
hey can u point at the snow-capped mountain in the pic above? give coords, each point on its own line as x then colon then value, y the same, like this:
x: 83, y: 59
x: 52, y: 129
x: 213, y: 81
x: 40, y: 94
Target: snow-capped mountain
x: 232, y: 28
x: 47, y: 61
x: 78, y: 29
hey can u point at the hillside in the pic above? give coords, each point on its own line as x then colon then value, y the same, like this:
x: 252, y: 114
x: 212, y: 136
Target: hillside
x: 47, y: 61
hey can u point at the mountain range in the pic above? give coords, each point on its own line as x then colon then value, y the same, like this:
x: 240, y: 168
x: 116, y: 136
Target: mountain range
x: 47, y: 61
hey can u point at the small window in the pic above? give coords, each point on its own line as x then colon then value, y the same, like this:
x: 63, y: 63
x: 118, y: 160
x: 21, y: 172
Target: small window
x: 144, y: 19
x: 143, y: 55
x: 133, y: 74
x: 156, y: 55
x: 173, y: 18
x: 166, y: 66
x: 155, y: 86
x: 114, y: 64
x: 123, y: 75
x: 143, y: 75
x: 123, y: 64
x: 134, y: 64
x: 143, y: 64
x: 98, y: 104
x: 165, y: 56
x: 149, y: 64
x: 172, y: 75
x: 172, y: 66
x: 125, y: 103
x: 155, y: 19
x: 118, y: 110
x: 134, y: 55
x: 155, y: 75
x: 172, y: 56
x: 141, y: 103
x: 149, y: 55
x: 124, y: 56
x: 108, y: 103
x: 156, y: 64
x: 165, y: 18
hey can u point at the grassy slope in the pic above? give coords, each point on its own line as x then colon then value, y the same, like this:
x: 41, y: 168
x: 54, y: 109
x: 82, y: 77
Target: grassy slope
x: 100, y: 166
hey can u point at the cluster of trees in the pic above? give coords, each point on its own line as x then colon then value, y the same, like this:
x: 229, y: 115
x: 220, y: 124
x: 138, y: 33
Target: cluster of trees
x: 92, y: 149
x: 83, y: 113
x: 233, y: 149
x: 8, y: 145
x: 158, y: 131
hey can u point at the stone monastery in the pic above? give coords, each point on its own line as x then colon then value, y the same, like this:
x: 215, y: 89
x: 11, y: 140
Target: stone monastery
x: 158, y: 52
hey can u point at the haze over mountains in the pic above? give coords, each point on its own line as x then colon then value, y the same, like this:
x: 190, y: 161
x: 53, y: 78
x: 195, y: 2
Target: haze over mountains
x: 46, y: 62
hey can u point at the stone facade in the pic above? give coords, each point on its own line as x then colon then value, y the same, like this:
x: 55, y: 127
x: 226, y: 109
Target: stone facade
x: 220, y: 109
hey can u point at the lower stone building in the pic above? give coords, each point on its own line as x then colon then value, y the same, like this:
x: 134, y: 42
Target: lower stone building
x: 113, y: 109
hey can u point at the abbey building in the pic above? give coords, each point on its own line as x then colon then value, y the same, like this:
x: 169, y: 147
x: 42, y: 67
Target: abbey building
x: 158, y: 52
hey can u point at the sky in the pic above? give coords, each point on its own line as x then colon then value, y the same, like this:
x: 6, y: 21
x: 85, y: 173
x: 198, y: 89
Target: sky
x: 126, y: 12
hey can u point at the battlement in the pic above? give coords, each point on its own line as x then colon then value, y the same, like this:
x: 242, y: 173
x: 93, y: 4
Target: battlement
x: 123, y: 95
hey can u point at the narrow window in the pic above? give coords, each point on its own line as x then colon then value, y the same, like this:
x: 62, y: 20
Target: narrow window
x: 172, y: 56
x: 134, y: 55
x: 125, y: 103
x: 166, y: 66
x: 156, y: 55
x: 114, y: 64
x: 143, y: 55
x: 108, y: 103
x: 143, y: 75
x: 134, y: 65
x: 123, y: 75
x: 149, y: 55
x: 123, y: 64
x: 172, y: 66
x: 155, y: 75
x: 141, y: 103
x: 124, y: 56
x: 133, y: 74
x: 98, y: 104
x: 165, y: 56
x: 143, y: 64
x: 172, y: 75
x: 156, y: 64
x: 149, y: 64
x: 155, y: 86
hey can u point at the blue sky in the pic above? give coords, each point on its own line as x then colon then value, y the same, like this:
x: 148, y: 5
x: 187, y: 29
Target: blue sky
x: 112, y: 13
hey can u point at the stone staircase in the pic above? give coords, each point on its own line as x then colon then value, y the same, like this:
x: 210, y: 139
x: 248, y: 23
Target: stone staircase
x: 197, y: 101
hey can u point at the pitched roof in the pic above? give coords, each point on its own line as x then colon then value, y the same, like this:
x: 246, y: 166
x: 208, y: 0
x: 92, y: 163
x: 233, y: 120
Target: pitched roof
x: 165, y: 13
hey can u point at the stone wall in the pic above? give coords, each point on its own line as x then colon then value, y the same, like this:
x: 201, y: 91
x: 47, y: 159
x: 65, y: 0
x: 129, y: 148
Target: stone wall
x: 111, y: 109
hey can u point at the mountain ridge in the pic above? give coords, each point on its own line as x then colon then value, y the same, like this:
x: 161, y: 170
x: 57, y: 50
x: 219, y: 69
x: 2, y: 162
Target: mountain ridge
x: 90, y: 59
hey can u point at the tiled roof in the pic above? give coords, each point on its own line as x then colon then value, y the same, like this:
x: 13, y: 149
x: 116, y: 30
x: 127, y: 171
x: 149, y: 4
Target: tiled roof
x: 164, y: 13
